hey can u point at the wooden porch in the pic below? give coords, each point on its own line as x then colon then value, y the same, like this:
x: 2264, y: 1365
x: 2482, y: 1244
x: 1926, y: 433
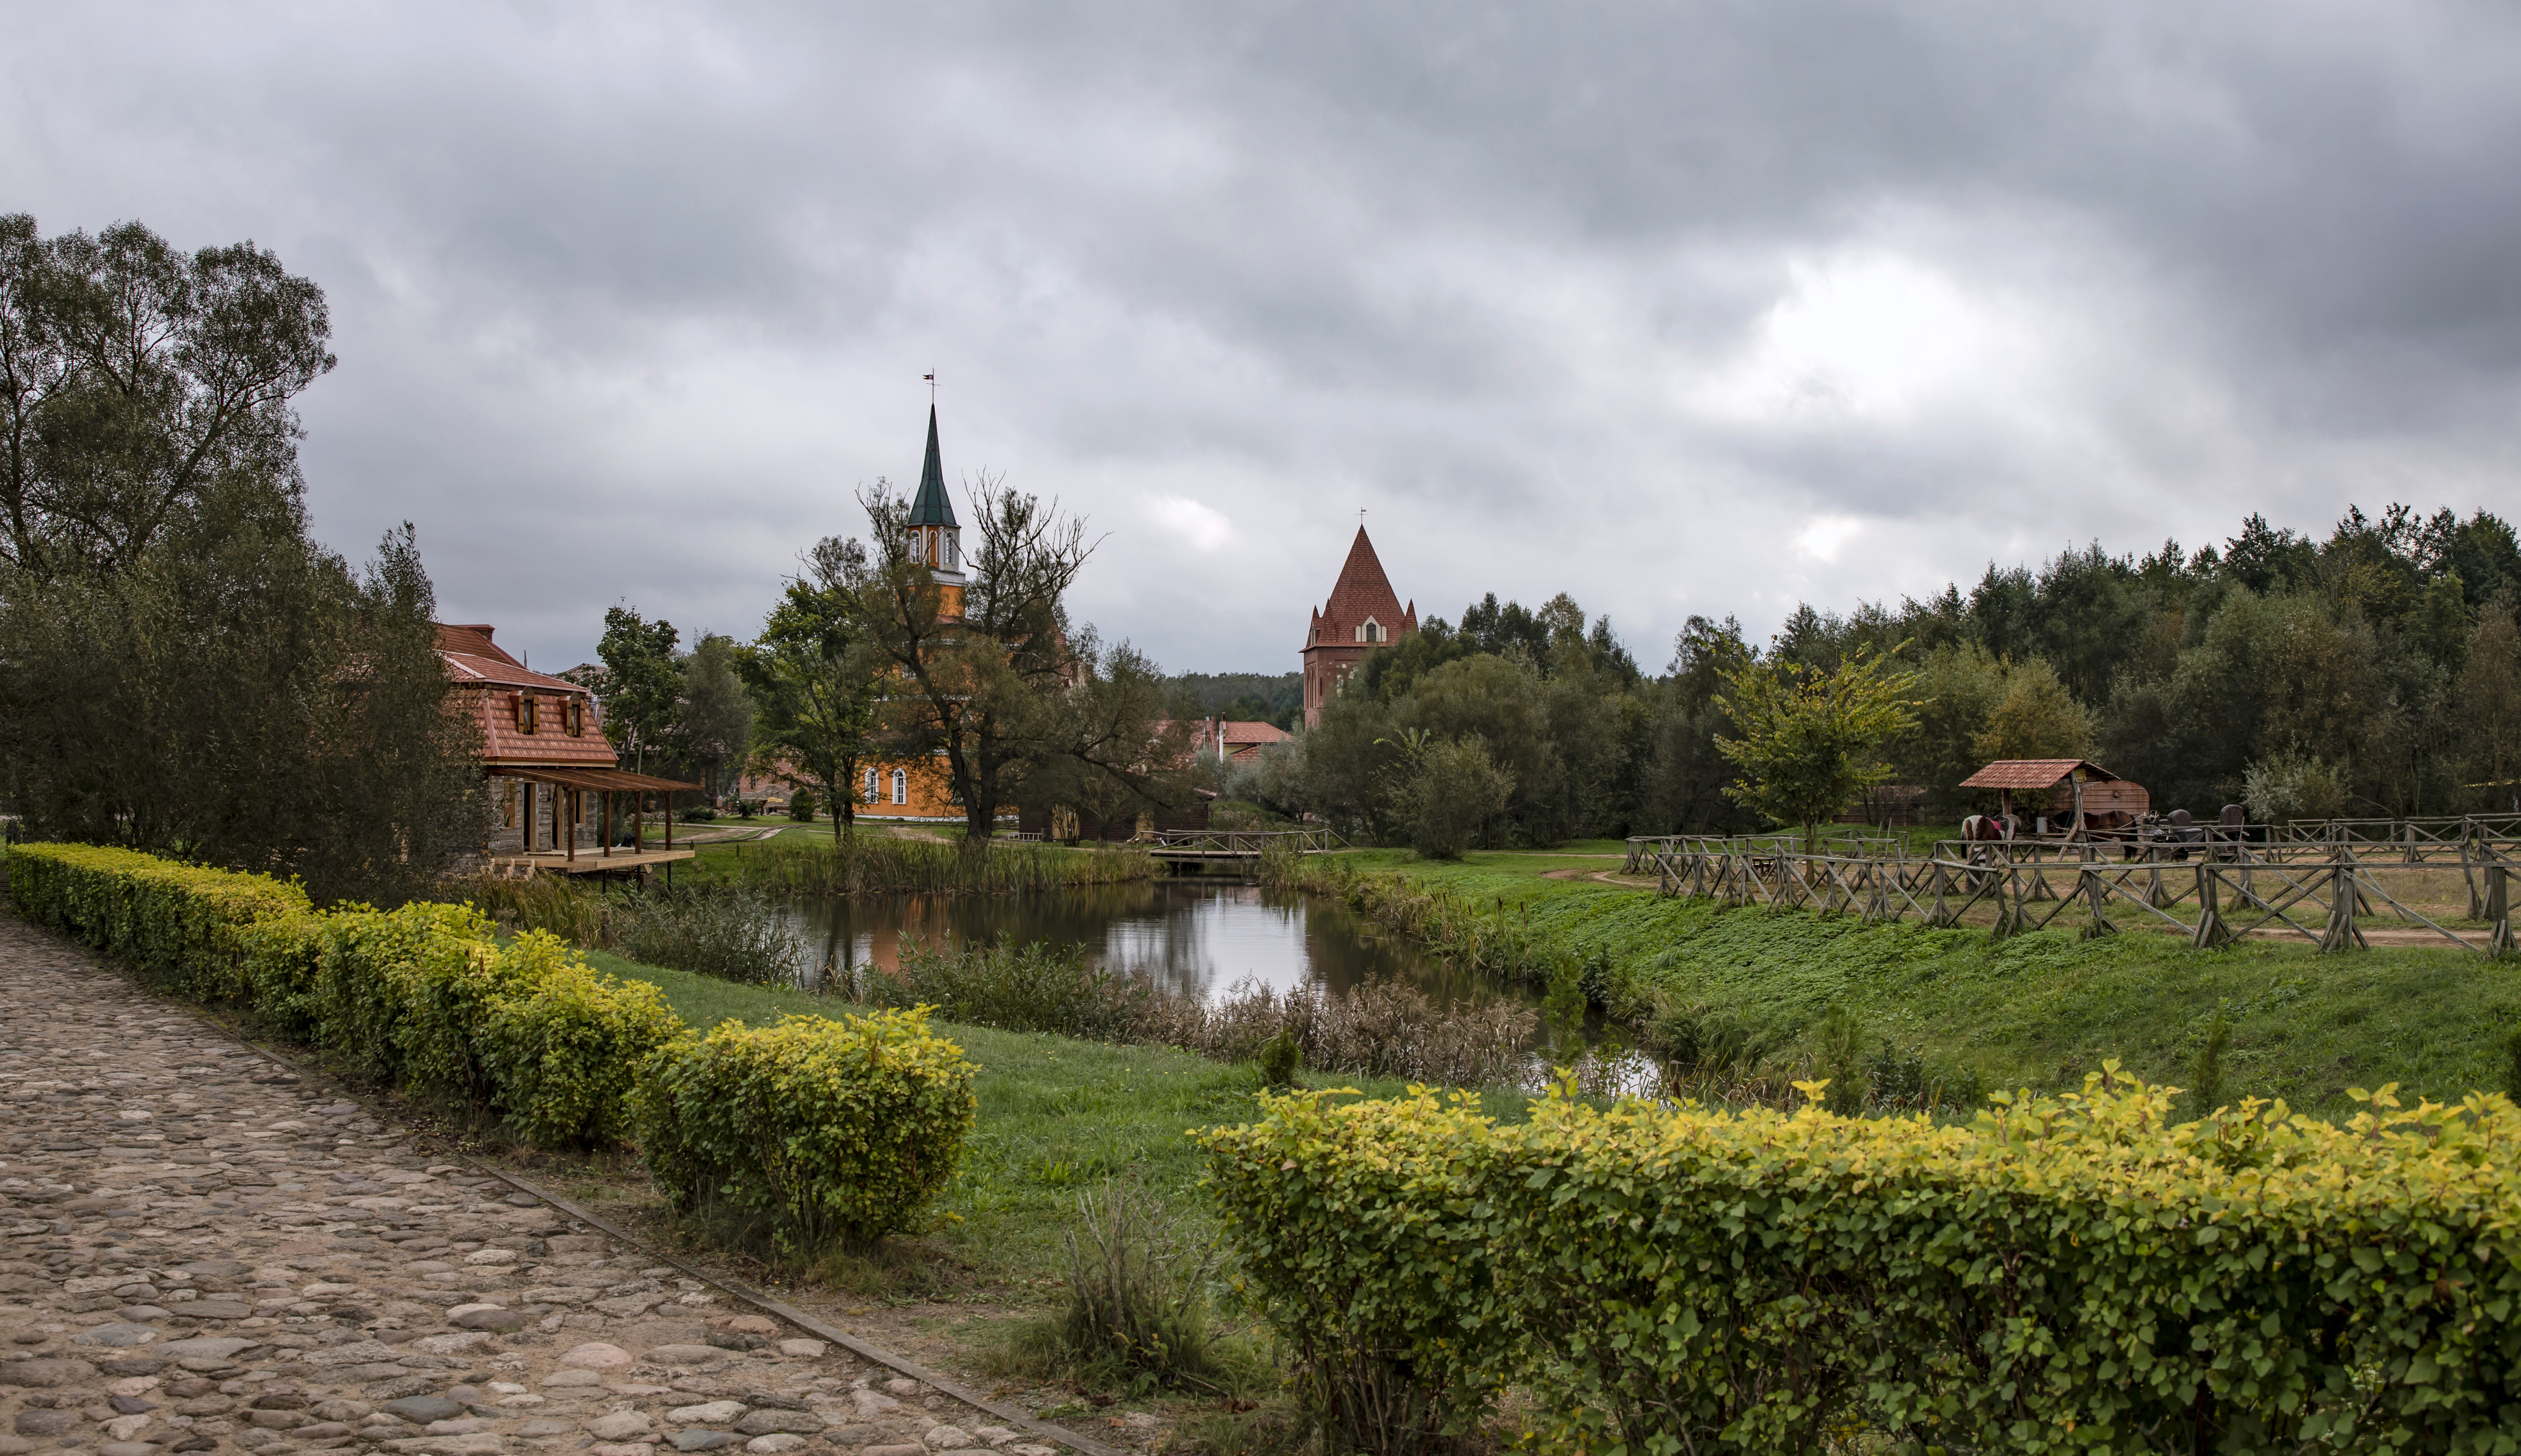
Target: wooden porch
x: 577, y: 786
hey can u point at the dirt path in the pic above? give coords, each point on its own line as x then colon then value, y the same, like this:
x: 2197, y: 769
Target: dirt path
x: 200, y: 1251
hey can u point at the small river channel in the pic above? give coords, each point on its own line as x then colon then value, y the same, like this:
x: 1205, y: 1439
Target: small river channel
x: 1196, y: 936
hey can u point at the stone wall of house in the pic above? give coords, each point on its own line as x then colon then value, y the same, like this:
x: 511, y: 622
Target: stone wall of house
x: 511, y: 803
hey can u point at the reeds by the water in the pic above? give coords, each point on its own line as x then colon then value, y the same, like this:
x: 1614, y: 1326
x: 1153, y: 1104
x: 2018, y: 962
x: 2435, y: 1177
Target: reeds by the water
x: 882, y: 864
x: 1384, y: 1030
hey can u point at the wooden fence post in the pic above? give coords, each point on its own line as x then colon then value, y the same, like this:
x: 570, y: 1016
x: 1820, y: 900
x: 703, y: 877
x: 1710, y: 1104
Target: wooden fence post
x: 2498, y: 909
x: 2341, y: 897
x: 2212, y: 932
x: 1941, y: 917
x: 2095, y: 892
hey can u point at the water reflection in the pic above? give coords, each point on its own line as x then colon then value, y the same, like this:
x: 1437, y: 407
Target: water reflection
x: 1196, y: 937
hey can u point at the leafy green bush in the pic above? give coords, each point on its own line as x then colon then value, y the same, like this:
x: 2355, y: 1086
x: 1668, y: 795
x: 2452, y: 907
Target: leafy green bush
x: 564, y: 1051
x: 174, y: 920
x: 801, y: 806
x: 2079, y: 1273
x: 424, y: 995
x: 831, y: 1131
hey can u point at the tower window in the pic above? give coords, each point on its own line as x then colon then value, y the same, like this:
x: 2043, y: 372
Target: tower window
x: 1373, y: 632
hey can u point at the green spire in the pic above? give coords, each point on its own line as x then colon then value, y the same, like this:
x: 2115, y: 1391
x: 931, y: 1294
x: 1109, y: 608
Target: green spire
x: 932, y: 507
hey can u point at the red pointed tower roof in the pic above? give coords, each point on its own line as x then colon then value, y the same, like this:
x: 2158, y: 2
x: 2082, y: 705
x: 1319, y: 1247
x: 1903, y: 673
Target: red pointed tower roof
x: 1362, y: 591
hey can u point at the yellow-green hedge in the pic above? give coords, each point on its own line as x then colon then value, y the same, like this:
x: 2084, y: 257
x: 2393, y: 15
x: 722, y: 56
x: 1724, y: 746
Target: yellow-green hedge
x: 832, y: 1130
x: 172, y: 920
x: 2068, y: 1274
x: 836, y: 1129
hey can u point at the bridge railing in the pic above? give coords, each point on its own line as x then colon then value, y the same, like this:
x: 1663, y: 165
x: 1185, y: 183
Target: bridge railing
x: 1242, y: 841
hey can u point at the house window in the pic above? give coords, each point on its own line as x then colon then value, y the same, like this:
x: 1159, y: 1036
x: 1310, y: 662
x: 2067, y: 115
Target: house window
x: 869, y: 795
x: 526, y: 716
x: 572, y: 717
x: 901, y: 787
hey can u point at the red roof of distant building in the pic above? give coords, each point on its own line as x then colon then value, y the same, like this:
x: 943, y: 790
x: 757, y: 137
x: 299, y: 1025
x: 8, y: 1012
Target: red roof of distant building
x: 2033, y: 773
x: 1362, y: 592
x: 1252, y: 732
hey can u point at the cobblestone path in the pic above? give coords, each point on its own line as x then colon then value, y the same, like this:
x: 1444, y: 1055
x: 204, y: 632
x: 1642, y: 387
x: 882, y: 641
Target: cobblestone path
x: 198, y: 1252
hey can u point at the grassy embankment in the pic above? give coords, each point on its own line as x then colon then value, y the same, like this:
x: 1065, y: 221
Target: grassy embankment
x: 2038, y: 1010
x: 1057, y: 1117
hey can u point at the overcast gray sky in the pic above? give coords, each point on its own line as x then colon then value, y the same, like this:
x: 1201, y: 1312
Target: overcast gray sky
x: 1681, y: 308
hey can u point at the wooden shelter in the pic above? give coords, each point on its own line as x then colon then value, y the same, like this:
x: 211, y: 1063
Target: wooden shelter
x: 2074, y: 793
x: 548, y: 771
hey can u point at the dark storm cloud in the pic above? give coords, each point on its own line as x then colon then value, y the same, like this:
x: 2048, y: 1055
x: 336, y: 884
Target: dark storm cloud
x: 1693, y: 308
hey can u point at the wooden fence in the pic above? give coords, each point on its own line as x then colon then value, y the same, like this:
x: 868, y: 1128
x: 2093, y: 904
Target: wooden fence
x: 2212, y: 892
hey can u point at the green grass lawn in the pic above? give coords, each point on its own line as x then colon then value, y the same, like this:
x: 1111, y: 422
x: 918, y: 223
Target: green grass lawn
x: 1057, y: 1116
x: 2038, y: 1009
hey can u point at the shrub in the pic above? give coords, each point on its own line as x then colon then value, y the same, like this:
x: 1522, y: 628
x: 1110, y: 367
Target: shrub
x: 2084, y: 1272
x: 729, y: 932
x: 801, y: 806
x: 831, y: 1131
x: 174, y: 920
x: 422, y: 995
x: 699, y: 814
x: 1034, y: 987
x: 1282, y: 1056
x: 564, y: 1051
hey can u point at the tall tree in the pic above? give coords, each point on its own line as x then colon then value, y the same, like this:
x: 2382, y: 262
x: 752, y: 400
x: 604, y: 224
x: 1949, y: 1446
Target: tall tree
x: 715, y: 723
x: 1811, y: 740
x: 643, y: 684
x: 815, y: 689
x: 986, y: 697
x: 133, y: 379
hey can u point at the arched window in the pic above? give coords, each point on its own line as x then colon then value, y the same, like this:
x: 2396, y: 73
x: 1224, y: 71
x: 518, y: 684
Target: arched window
x: 901, y: 787
x: 869, y: 795
x: 1373, y: 632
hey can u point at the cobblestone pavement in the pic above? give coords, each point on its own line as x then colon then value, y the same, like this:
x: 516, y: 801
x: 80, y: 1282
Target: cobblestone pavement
x: 200, y: 1252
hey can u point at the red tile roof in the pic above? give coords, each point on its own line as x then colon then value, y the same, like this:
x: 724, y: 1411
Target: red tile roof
x: 1362, y: 591
x: 2033, y: 773
x: 473, y: 661
x: 1252, y: 732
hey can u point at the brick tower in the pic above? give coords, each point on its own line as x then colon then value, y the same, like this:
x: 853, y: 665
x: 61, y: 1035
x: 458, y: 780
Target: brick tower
x: 1362, y: 614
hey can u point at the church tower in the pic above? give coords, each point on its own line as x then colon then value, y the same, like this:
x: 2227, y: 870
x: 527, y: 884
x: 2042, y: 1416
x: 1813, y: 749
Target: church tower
x: 935, y: 537
x: 1363, y: 613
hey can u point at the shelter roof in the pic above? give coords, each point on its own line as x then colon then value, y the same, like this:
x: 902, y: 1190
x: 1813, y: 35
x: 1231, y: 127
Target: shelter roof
x: 1250, y: 733
x: 617, y: 780
x: 2033, y: 773
x: 1362, y: 591
x: 932, y: 506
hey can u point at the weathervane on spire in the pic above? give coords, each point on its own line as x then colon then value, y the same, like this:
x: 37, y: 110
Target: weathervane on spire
x: 932, y: 389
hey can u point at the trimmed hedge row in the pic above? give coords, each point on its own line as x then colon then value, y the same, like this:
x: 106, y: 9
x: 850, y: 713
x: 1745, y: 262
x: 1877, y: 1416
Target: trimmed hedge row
x: 2075, y: 1273
x: 830, y: 1128
x: 831, y: 1132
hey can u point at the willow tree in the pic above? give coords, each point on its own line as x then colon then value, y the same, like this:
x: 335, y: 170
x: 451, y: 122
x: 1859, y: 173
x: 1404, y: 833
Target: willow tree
x: 1810, y: 741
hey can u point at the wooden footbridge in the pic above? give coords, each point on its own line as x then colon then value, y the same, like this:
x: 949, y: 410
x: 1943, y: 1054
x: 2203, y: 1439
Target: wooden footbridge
x: 1209, y: 846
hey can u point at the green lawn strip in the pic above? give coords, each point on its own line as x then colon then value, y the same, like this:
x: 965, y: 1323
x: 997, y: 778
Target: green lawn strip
x: 2038, y: 1010
x: 1057, y: 1116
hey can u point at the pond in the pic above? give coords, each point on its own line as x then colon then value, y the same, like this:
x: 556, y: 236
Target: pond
x: 1196, y: 936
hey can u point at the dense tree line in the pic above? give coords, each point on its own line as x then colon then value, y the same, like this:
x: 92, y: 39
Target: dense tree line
x: 2374, y: 671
